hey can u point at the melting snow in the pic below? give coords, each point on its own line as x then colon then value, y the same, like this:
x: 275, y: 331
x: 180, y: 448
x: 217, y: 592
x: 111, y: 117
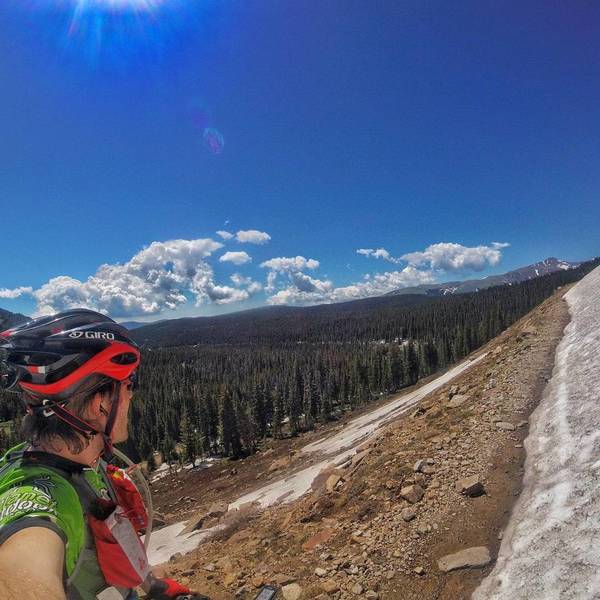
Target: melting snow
x: 550, y: 550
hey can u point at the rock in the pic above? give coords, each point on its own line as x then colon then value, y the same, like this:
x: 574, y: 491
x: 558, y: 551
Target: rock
x: 412, y: 493
x: 428, y: 470
x: 358, y: 457
x: 504, y: 425
x: 281, y: 579
x: 321, y: 537
x: 175, y: 557
x: 332, y: 481
x: 357, y: 589
x: 478, y: 556
x: 217, y: 509
x: 158, y: 520
x: 452, y: 391
x: 390, y: 484
x: 319, y: 572
x: 372, y: 595
x: 329, y: 586
x: 195, y: 522
x: 419, y: 570
x: 282, y: 463
x: 291, y: 592
x: 470, y: 486
x: 229, y: 579
x: 522, y: 424
x: 419, y: 465
x: 408, y: 513
x: 458, y: 400
x: 210, y: 567
x: 257, y: 581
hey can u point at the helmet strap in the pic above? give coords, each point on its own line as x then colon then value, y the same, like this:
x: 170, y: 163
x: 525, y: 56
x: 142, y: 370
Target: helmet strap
x: 110, y: 422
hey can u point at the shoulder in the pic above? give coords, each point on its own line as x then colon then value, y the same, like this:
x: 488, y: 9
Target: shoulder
x: 33, y: 496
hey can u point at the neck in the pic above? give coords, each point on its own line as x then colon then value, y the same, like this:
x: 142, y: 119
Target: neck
x: 89, y: 456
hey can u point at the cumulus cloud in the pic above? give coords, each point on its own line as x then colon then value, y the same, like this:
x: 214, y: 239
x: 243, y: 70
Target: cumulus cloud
x: 447, y: 256
x: 11, y: 294
x: 318, y: 291
x: 379, y: 253
x: 237, y: 258
x: 225, y: 235
x: 158, y: 278
x: 290, y: 264
x: 252, y: 236
x: 253, y: 287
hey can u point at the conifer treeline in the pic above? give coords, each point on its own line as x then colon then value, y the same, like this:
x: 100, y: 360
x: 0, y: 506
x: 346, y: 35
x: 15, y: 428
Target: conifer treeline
x: 223, y: 399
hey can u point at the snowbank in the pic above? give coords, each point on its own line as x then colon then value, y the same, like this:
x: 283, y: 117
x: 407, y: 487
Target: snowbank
x: 550, y: 549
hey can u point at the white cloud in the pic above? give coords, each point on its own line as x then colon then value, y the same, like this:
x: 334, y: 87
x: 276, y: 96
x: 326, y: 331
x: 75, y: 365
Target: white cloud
x: 252, y: 236
x: 252, y: 286
x: 225, y: 234
x: 379, y: 253
x: 155, y: 279
x: 15, y: 293
x: 285, y: 264
x: 237, y: 258
x: 447, y: 256
x: 318, y: 291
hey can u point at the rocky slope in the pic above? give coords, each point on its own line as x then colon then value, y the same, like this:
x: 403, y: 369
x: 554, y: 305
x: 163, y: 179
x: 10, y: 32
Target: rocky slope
x: 384, y: 524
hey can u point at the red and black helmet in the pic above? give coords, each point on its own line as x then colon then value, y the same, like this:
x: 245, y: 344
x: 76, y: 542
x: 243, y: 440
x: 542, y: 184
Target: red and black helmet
x: 50, y: 357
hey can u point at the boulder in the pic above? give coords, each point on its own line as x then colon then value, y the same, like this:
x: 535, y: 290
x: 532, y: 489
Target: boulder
x: 291, y: 592
x: 412, y: 493
x: 478, y: 556
x: 470, y: 486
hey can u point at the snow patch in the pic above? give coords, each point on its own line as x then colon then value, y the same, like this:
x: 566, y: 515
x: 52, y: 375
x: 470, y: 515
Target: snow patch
x: 550, y: 550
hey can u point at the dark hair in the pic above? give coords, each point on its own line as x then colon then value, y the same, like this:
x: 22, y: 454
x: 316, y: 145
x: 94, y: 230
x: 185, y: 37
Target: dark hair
x: 38, y: 429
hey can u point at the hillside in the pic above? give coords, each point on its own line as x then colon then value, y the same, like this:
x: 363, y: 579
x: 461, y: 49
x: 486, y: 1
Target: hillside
x: 367, y: 319
x: 377, y: 525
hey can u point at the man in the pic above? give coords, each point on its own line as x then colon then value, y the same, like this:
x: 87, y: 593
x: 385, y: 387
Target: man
x: 69, y: 522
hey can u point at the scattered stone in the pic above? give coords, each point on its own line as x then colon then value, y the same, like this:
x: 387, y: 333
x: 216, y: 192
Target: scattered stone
x: 419, y: 570
x: 504, y: 425
x: 408, y: 513
x: 217, y: 509
x: 329, y: 586
x: 319, y: 572
x: 281, y: 579
x: 522, y: 424
x: 175, y: 557
x: 452, y: 391
x: 357, y: 589
x: 291, y: 592
x: 419, y: 465
x: 412, y: 493
x: 478, y: 556
x: 358, y: 457
x: 332, y: 481
x: 210, y: 567
x: 257, y: 581
x: 428, y: 470
x: 322, y: 537
x: 372, y: 595
x: 282, y: 463
x: 470, y: 486
x: 458, y: 400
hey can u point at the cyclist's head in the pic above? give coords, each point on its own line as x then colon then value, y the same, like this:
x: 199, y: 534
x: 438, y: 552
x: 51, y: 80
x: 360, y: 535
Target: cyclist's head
x: 61, y: 364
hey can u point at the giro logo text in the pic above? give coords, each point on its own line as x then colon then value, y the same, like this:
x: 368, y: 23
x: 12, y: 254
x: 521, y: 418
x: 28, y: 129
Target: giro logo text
x: 92, y: 335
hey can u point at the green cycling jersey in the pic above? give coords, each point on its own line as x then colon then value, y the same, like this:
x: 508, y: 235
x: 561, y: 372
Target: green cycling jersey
x: 43, y: 490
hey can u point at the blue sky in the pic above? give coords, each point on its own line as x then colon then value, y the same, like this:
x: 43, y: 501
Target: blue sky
x: 432, y: 128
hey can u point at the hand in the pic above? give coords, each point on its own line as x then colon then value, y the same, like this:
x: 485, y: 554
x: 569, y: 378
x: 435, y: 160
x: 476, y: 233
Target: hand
x: 168, y: 589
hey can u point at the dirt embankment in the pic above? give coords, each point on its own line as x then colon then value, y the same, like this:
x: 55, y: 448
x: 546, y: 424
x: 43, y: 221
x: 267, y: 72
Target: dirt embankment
x: 361, y: 533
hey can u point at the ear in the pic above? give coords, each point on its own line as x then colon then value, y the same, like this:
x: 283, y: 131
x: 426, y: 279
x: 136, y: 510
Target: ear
x: 94, y: 409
